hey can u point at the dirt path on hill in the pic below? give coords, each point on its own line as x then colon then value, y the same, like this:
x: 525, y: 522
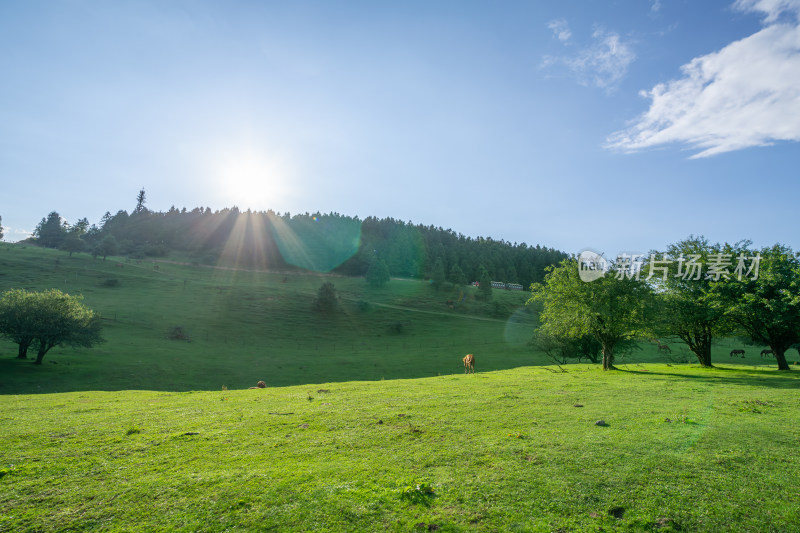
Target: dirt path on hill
x: 388, y: 306
x: 437, y: 313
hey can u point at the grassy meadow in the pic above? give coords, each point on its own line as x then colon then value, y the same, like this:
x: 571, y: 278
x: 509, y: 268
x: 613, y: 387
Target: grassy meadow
x: 245, y: 326
x: 684, y: 449
x: 368, y: 422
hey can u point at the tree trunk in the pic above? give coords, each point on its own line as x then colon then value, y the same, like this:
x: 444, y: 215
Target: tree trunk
x: 22, y: 353
x: 704, y: 355
x: 608, y: 358
x: 698, y: 339
x: 43, y: 349
x: 780, y: 356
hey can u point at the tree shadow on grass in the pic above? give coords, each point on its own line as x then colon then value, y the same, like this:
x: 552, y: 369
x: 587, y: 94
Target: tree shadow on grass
x: 65, y: 374
x: 772, y: 378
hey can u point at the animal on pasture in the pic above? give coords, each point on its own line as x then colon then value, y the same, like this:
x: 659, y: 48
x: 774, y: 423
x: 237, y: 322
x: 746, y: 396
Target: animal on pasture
x: 737, y: 352
x: 260, y: 385
x: 661, y: 347
x: 469, y: 364
x: 767, y: 352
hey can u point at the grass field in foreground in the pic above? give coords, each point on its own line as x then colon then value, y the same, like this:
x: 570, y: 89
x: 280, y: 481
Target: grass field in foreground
x: 685, y: 449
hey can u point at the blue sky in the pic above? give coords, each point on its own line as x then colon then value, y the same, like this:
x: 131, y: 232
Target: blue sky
x: 620, y: 126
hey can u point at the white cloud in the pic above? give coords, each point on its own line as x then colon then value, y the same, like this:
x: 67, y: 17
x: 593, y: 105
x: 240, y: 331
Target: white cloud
x: 602, y: 64
x: 15, y: 234
x: 606, y: 62
x: 560, y: 29
x: 655, y: 6
x: 747, y: 94
x: 773, y: 9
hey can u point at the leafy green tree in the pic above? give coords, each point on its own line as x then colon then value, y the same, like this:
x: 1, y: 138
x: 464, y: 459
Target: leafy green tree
x: 457, y: 276
x: 63, y: 319
x: 378, y: 272
x: 107, y: 246
x: 613, y: 310
x: 50, y: 231
x: 80, y: 227
x: 1, y: 228
x: 17, y: 318
x: 688, y: 307
x: 437, y: 275
x: 767, y: 308
x: 73, y: 243
x: 485, y: 285
x: 48, y: 319
x: 327, y: 301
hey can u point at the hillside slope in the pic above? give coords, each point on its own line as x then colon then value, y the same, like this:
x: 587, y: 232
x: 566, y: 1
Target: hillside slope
x: 242, y: 326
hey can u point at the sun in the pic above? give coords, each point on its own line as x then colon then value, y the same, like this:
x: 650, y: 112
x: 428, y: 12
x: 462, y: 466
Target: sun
x: 249, y: 178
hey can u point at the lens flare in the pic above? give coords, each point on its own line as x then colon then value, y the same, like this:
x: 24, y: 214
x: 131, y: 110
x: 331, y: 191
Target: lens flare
x: 319, y: 243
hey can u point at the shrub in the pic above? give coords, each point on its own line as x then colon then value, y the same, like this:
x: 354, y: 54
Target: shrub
x: 327, y: 301
x: 177, y: 333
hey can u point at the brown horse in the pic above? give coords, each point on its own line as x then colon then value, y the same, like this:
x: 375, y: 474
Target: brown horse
x: 737, y: 352
x: 767, y: 352
x: 469, y: 363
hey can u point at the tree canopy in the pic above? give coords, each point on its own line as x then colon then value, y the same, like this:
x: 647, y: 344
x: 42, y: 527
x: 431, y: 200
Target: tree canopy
x: 378, y: 273
x: 327, y: 301
x: 613, y: 310
x: 47, y: 319
x: 50, y: 231
x: 485, y: 284
x: 689, y: 308
x: 766, y: 307
x: 273, y: 241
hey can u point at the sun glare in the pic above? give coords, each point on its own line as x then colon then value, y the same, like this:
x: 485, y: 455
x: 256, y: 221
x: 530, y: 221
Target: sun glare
x: 249, y: 179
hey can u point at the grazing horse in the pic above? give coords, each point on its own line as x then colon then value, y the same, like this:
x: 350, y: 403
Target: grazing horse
x: 767, y: 352
x: 737, y: 352
x: 260, y: 385
x: 661, y: 347
x: 469, y: 363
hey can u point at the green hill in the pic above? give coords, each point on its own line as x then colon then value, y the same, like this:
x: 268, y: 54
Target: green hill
x: 240, y: 326
x: 171, y: 325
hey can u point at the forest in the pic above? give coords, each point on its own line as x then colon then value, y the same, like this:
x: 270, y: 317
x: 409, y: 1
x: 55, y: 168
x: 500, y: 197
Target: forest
x: 318, y: 242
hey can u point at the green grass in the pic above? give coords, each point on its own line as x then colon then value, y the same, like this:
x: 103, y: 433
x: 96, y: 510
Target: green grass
x: 685, y: 449
x: 140, y: 434
x: 247, y: 326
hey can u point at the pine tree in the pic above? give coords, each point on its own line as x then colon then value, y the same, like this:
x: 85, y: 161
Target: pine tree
x: 437, y: 276
x: 457, y: 276
x: 140, y: 200
x: 485, y: 285
x: 327, y: 301
x: 378, y: 273
x: 50, y: 231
